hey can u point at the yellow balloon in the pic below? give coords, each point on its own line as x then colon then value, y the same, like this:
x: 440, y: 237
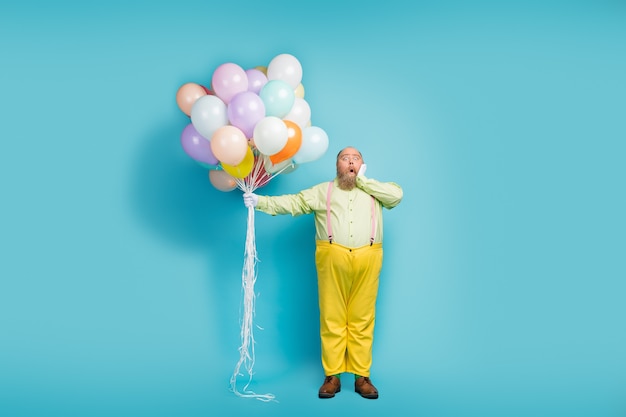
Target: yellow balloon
x: 299, y: 91
x: 244, y: 167
x: 262, y: 68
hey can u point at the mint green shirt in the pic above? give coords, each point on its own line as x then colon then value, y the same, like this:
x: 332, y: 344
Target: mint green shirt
x: 350, y: 211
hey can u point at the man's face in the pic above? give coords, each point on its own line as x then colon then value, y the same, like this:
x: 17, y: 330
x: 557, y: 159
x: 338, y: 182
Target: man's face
x: 349, y: 163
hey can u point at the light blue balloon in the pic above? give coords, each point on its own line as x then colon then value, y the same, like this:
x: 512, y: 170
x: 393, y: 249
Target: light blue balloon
x: 314, y: 145
x: 208, y: 114
x: 278, y: 97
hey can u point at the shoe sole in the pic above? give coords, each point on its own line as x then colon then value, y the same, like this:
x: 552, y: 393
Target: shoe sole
x: 368, y: 396
x: 328, y: 395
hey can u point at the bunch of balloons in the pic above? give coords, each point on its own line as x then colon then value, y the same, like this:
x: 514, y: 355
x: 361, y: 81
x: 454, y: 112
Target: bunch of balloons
x: 251, y: 124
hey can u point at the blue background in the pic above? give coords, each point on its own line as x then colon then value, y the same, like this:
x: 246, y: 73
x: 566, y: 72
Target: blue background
x: 502, y: 292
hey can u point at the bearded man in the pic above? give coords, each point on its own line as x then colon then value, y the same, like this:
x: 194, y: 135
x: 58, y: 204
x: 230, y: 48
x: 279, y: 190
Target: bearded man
x: 348, y: 257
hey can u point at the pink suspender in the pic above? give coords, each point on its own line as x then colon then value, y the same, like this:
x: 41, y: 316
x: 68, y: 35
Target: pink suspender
x: 329, y: 227
x: 373, y: 221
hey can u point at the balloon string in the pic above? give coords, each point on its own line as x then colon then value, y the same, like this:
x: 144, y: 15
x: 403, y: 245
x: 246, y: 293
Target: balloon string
x: 255, y: 179
x: 246, y: 350
x: 258, y: 177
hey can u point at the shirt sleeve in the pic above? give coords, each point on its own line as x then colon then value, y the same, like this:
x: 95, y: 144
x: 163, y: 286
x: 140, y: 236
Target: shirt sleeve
x: 388, y: 193
x: 305, y: 202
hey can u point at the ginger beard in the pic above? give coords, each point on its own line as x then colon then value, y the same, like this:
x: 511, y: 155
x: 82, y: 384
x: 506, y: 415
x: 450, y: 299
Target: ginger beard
x: 346, y: 177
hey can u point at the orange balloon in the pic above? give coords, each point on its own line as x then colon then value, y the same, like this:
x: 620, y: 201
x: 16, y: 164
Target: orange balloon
x: 187, y: 94
x: 294, y: 141
x: 243, y: 168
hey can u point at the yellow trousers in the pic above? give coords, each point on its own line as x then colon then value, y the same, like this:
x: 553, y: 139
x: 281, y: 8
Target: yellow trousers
x: 347, y: 282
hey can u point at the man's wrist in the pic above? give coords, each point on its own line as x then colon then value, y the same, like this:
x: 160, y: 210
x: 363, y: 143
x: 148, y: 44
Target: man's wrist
x: 261, y: 203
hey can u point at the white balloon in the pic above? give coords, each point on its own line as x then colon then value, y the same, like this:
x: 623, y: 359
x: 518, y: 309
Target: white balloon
x: 287, y: 68
x: 270, y: 135
x: 208, y: 114
x: 282, y: 167
x: 300, y: 113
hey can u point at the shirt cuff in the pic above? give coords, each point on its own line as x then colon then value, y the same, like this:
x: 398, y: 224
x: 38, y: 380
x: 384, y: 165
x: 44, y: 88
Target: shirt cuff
x: 262, y: 203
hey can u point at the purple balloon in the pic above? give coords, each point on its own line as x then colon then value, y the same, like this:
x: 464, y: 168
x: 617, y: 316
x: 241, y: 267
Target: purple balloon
x: 197, y: 146
x: 244, y: 111
x: 256, y: 80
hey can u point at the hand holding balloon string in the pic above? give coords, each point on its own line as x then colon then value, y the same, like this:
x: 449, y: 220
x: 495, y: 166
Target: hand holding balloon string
x: 250, y: 199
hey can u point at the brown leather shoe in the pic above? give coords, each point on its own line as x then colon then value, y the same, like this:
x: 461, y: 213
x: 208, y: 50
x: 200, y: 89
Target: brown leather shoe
x: 330, y: 387
x: 363, y: 385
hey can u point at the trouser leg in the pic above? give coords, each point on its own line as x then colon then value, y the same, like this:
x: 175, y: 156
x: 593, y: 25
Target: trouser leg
x: 361, y: 309
x: 347, y: 285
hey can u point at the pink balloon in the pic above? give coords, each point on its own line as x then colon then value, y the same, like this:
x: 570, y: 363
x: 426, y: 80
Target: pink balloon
x: 222, y: 180
x: 229, y: 145
x: 228, y: 80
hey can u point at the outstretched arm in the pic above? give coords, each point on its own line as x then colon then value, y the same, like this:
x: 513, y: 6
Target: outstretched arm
x: 293, y: 204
